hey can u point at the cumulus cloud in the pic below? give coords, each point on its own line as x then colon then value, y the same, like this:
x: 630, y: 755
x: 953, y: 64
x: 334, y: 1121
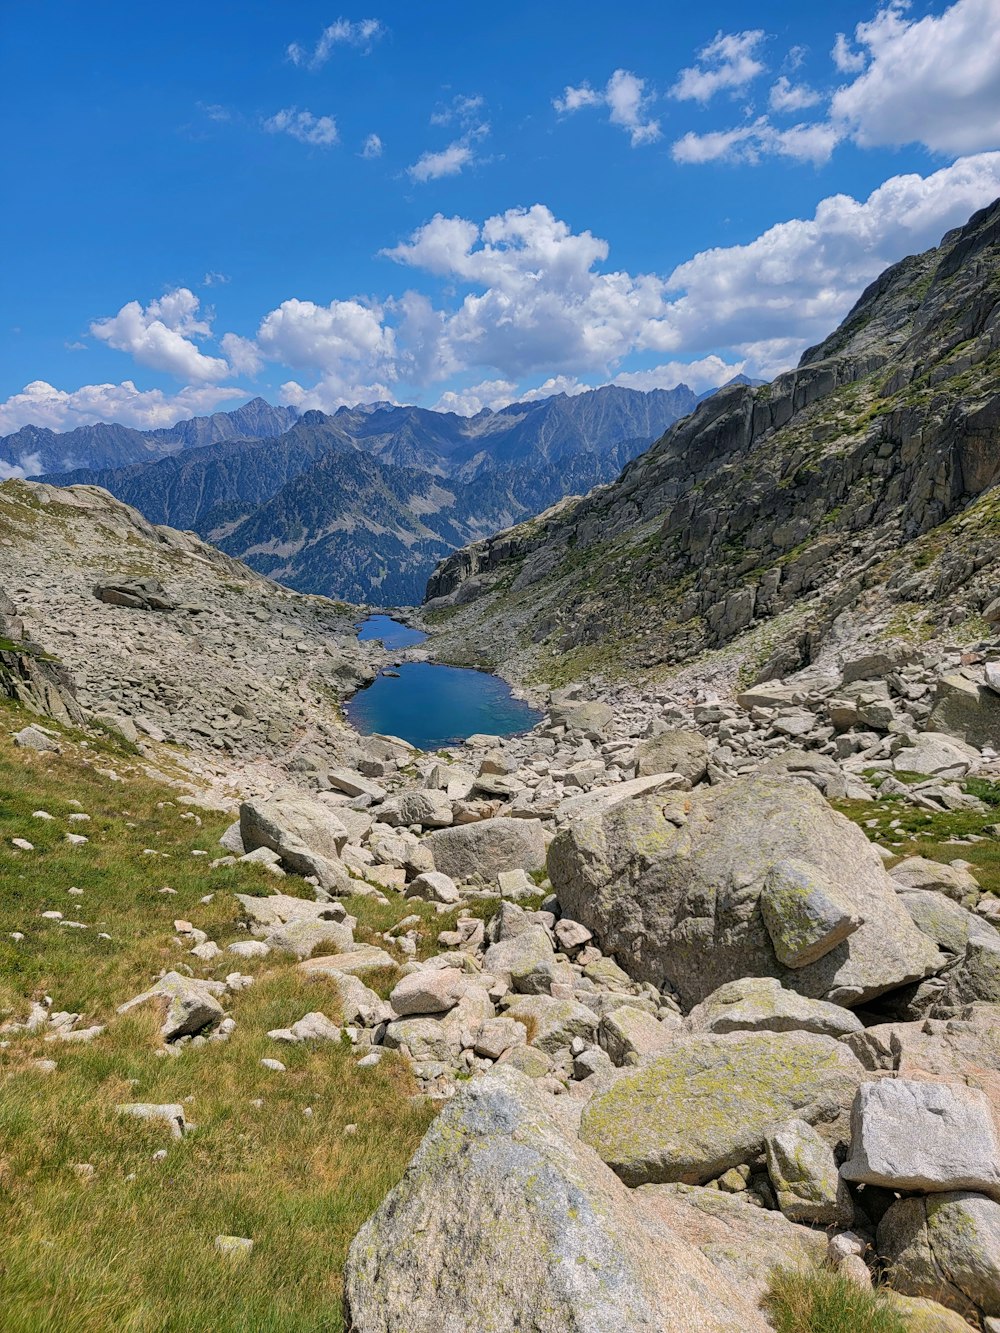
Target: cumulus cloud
x: 462, y: 110
x: 446, y: 162
x: 847, y: 60
x: 318, y: 131
x: 372, y: 147
x: 450, y: 161
x: 727, y: 64
x: 492, y: 394
x: 934, y: 80
x: 41, y: 404
x: 707, y: 372
x: 627, y: 102
x: 749, y: 143
x: 788, y: 96
x: 161, y: 336
x: 362, y: 34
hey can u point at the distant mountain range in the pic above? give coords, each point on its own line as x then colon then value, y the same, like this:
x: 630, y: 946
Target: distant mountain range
x: 360, y: 504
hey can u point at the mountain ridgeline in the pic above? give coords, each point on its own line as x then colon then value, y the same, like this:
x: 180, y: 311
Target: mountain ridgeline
x: 362, y: 504
x: 859, y: 487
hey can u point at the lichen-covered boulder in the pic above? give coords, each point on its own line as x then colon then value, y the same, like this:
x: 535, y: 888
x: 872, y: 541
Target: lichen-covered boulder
x: 710, y: 1102
x: 762, y: 1004
x: 684, y: 752
x: 481, y: 851
x: 805, y: 1178
x: 946, y: 1246
x: 502, y: 1223
x: 672, y: 885
x: 307, y: 835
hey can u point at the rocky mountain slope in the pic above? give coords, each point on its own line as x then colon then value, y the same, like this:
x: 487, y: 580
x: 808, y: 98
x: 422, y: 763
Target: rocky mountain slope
x: 703, y: 988
x: 400, y: 488
x: 37, y: 450
x: 858, y: 488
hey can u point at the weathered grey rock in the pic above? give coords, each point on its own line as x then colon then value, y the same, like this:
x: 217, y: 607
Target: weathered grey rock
x: 592, y: 719
x: 429, y: 808
x: 278, y: 908
x: 977, y: 976
x: 34, y: 738
x: 936, y: 756
x: 802, y: 914
x: 709, y: 1103
x: 358, y: 1004
x: 189, y: 1006
x: 315, y: 1026
x: 527, y: 959
x: 917, y: 872
x: 671, y: 887
x: 516, y: 885
x: 941, y: 920
x: 762, y: 1004
x: 478, y: 852
x: 684, y: 752
x: 804, y: 1174
x: 552, y: 1023
x: 171, y: 1113
x: 806, y: 766
x: 362, y: 959
x: 631, y: 1035
x: 966, y: 710
x: 433, y: 887
x: 353, y: 783
x: 136, y: 594
x: 742, y: 1242
x: 429, y: 992
x: 932, y: 1137
x: 232, y: 840
x: 945, y: 1246
x: 491, y: 1224
x: 497, y: 1035
x: 596, y: 802
x: 305, y: 833
x: 303, y: 938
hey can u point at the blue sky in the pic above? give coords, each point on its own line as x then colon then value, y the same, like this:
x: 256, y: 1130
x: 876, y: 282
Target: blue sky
x: 460, y: 205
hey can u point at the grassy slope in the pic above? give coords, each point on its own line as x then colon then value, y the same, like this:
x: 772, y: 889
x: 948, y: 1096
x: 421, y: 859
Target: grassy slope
x: 132, y: 1248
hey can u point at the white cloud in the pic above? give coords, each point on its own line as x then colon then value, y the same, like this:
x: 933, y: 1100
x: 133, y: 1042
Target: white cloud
x: 243, y: 354
x: 41, y: 404
x: 447, y: 162
x: 461, y: 109
x: 788, y: 96
x: 627, y: 101
x: 492, y: 394
x: 847, y: 60
x: 708, y: 372
x: 372, y: 146
x: 749, y: 143
x: 770, y: 299
x: 161, y: 335
x: 728, y: 63
x: 363, y: 34
x: 28, y: 465
x: 934, y: 80
x: 212, y: 279
x: 318, y: 131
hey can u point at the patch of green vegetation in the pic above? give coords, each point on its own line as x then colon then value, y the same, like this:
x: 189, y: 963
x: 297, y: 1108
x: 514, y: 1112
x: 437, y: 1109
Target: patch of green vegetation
x: 130, y: 1246
x: 818, y: 1301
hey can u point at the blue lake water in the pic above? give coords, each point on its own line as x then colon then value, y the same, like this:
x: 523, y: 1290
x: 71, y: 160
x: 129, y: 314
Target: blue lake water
x: 392, y: 633
x: 432, y: 706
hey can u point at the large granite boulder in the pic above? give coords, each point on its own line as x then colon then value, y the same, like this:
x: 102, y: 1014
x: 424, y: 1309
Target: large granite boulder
x: 502, y: 1223
x: 136, y: 594
x: 481, y: 851
x: 967, y: 710
x: 672, y: 886
x: 762, y: 1004
x: 685, y: 752
x: 710, y: 1103
x: 306, y: 834
x: 932, y: 1137
x: 947, y: 1247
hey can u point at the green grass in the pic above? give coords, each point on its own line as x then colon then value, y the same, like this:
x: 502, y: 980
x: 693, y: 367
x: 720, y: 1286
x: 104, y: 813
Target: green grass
x: 817, y: 1301
x: 131, y: 1249
x: 906, y: 830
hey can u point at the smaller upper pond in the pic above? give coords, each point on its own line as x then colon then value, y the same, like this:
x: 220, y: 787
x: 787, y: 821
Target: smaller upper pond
x: 430, y: 705
x: 392, y: 633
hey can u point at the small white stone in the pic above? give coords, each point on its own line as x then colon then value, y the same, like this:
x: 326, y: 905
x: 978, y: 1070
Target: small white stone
x: 76, y: 839
x: 22, y: 844
x: 52, y: 916
x: 275, y: 1065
